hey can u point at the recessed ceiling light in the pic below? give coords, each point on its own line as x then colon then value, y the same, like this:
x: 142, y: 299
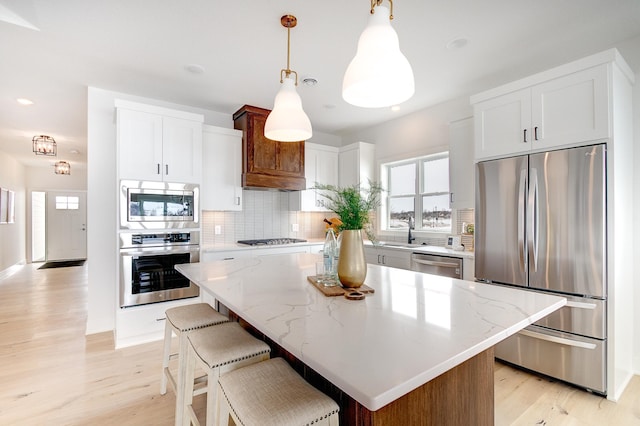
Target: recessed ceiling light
x: 74, y: 151
x: 194, y: 68
x: 329, y: 106
x: 457, y: 43
x: 395, y: 108
x: 24, y: 101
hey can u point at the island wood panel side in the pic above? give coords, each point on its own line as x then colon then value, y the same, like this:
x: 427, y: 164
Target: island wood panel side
x: 461, y: 396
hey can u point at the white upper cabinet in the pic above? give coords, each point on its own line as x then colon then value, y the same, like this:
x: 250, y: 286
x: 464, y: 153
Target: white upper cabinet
x: 157, y: 144
x: 321, y: 166
x: 501, y: 125
x: 564, y: 111
x: 221, y: 187
x: 571, y: 109
x: 461, y: 164
x: 357, y: 164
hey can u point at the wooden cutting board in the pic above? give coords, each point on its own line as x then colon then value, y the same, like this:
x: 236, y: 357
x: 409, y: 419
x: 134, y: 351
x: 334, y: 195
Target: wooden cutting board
x: 338, y: 290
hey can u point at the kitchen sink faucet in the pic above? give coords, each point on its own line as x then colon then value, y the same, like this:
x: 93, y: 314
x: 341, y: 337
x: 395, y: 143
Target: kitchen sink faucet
x: 412, y: 225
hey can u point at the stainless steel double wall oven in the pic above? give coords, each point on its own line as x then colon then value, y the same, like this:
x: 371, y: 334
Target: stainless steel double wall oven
x: 159, y: 224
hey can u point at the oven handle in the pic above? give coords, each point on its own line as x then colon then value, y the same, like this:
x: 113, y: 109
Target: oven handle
x: 153, y: 251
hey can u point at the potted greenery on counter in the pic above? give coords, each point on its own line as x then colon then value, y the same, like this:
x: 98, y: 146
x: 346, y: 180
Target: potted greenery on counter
x: 354, y: 206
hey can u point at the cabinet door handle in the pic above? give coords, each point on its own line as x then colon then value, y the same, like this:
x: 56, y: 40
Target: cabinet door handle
x: 237, y: 201
x: 535, y: 133
x: 166, y: 169
x: 451, y: 197
x: 525, y: 136
x: 158, y: 172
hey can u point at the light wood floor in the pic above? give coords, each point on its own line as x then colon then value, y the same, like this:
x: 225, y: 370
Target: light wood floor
x: 52, y: 374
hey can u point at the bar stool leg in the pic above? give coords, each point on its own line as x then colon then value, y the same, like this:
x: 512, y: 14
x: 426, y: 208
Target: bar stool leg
x: 165, y: 357
x: 188, y: 415
x: 181, y: 382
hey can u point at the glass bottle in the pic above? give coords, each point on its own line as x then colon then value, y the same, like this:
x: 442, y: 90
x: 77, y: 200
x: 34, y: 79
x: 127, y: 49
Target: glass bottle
x: 329, y: 253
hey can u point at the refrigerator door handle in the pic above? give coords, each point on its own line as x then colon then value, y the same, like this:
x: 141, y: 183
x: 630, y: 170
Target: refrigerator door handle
x: 533, y: 218
x: 522, y: 244
x: 555, y: 339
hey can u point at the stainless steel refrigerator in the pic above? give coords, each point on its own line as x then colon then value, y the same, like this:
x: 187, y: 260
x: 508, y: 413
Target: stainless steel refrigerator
x: 541, y: 225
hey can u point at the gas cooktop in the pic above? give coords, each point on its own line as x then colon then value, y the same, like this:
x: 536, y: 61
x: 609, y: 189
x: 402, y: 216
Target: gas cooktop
x: 271, y: 241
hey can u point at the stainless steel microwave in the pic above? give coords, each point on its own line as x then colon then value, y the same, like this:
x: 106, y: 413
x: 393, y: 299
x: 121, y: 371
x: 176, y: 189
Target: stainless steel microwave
x: 159, y: 205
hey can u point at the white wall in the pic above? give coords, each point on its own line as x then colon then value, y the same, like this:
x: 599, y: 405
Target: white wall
x: 415, y: 134
x: 44, y: 179
x: 12, y: 235
x: 102, y: 247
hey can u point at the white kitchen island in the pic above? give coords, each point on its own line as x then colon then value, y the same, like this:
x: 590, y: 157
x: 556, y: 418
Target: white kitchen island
x: 417, y: 351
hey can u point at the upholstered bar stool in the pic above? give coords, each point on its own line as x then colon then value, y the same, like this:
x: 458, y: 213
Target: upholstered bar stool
x: 181, y: 321
x: 272, y: 393
x: 218, y: 350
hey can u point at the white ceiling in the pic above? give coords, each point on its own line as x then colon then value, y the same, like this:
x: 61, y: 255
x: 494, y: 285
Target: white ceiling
x: 141, y: 47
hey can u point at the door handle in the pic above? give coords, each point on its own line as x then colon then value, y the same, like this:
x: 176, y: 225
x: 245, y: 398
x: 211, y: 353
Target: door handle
x: 525, y: 136
x: 158, y: 172
x: 522, y: 244
x: 560, y: 340
x: 533, y: 218
x: 166, y: 169
x: 535, y: 133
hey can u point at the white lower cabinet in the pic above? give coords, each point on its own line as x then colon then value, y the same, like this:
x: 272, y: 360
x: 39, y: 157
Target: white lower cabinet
x: 142, y: 324
x: 468, y: 269
x: 388, y: 257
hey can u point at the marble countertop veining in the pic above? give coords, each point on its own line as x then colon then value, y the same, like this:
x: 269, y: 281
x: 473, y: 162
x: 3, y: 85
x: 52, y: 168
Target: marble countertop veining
x: 415, y: 327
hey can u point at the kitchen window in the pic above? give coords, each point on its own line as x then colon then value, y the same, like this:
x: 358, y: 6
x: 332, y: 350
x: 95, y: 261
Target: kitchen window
x: 417, y: 185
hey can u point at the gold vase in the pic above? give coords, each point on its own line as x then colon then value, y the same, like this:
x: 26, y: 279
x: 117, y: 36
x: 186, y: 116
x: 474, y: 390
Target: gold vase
x: 352, y: 267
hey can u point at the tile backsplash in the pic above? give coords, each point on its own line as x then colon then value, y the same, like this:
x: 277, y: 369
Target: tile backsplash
x: 265, y: 214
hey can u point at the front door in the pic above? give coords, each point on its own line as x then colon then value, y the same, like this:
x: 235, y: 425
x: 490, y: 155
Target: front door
x: 66, y: 225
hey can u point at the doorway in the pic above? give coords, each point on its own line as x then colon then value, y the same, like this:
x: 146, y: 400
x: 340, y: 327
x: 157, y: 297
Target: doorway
x: 66, y: 230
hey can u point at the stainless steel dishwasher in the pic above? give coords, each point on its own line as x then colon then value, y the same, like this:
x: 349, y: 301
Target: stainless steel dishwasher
x: 437, y: 265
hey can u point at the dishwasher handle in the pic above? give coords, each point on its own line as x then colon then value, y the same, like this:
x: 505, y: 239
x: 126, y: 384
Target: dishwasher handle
x: 437, y: 263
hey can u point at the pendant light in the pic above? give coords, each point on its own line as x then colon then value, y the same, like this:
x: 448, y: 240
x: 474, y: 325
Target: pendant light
x: 62, y: 168
x: 44, y: 145
x: 287, y: 122
x: 379, y: 75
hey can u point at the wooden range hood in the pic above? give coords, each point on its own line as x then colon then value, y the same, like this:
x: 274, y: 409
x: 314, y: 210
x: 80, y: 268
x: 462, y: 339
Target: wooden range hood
x: 267, y: 163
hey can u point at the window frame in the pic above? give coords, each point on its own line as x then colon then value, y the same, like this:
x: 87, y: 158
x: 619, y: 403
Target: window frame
x: 418, y: 194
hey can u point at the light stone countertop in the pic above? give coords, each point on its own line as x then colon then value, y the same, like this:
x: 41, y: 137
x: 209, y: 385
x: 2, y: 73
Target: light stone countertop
x: 414, y: 328
x: 412, y: 248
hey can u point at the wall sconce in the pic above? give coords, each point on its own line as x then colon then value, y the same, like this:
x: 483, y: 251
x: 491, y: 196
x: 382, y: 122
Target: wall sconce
x: 287, y: 122
x: 62, y: 168
x: 44, y: 145
x: 379, y: 75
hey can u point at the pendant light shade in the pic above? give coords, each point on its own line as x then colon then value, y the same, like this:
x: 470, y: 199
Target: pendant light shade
x: 287, y: 122
x: 379, y: 75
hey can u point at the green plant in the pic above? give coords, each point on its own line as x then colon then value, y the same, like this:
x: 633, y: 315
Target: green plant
x: 352, y: 204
